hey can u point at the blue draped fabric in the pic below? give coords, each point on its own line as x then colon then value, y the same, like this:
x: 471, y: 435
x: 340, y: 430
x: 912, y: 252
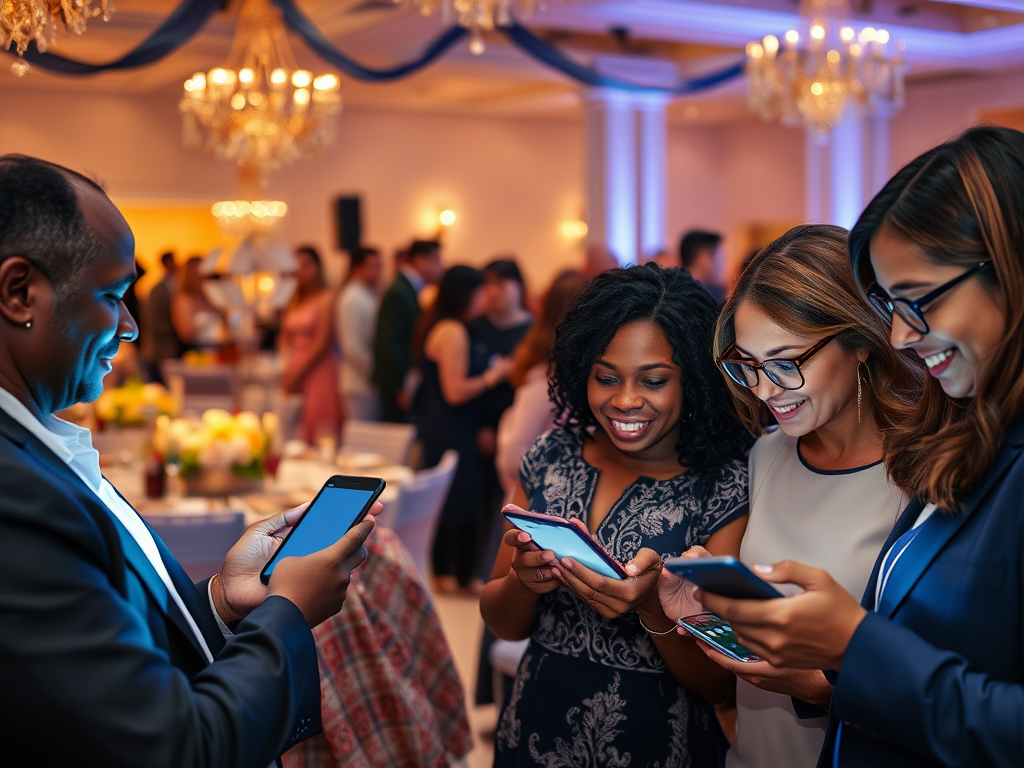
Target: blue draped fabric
x: 190, y: 16
x: 176, y: 30
x: 325, y: 49
x: 546, y: 53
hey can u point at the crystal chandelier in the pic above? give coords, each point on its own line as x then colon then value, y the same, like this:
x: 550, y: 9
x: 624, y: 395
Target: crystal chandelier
x: 816, y: 72
x: 261, y: 110
x: 22, y: 21
x: 478, y: 16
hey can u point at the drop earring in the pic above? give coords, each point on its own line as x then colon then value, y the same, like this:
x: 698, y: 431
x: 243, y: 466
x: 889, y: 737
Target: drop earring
x: 859, y: 393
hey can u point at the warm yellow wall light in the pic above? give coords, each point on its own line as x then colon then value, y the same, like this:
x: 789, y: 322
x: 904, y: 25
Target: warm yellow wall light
x: 573, y: 230
x: 446, y: 217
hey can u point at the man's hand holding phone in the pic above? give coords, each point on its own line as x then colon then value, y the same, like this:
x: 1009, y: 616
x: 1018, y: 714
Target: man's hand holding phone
x: 317, y: 583
x: 237, y: 589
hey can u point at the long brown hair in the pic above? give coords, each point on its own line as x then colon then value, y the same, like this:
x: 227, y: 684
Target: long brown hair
x: 536, y: 345
x: 804, y: 283
x: 961, y: 203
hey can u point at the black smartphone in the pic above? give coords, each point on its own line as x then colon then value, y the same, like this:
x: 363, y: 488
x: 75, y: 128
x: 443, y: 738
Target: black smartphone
x: 725, y: 576
x: 716, y: 632
x: 340, y: 504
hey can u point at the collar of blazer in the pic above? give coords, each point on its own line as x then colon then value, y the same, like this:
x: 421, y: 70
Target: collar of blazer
x: 126, y: 549
x: 941, y: 527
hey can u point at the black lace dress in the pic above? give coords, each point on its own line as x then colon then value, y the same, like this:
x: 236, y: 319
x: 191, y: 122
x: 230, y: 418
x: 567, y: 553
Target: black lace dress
x: 594, y: 692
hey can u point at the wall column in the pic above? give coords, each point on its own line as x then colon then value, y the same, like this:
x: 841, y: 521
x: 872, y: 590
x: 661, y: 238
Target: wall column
x: 653, y: 184
x: 846, y: 169
x: 610, y: 167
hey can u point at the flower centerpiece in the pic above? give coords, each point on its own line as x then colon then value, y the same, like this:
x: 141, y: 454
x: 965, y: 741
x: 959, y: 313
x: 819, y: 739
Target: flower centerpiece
x: 219, y: 455
x: 135, y: 404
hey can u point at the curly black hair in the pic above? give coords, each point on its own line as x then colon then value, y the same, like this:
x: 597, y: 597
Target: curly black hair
x: 712, y: 434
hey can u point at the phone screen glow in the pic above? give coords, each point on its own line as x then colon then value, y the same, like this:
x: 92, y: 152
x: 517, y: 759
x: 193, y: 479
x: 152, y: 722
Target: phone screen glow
x: 566, y: 542
x: 327, y: 520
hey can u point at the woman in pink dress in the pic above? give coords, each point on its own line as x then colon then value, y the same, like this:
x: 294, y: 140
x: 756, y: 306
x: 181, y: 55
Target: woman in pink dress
x: 306, y: 345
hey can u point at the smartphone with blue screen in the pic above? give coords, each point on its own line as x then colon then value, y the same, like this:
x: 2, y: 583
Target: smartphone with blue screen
x: 340, y: 504
x: 724, y: 576
x: 565, y: 539
x: 717, y: 633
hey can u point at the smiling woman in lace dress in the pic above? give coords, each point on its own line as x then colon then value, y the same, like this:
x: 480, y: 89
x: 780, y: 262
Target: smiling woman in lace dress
x: 648, y: 455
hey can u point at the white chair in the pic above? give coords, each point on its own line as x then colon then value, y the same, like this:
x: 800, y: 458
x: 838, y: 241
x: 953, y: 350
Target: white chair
x: 199, y: 542
x: 418, y: 508
x: 392, y: 441
x: 505, y: 656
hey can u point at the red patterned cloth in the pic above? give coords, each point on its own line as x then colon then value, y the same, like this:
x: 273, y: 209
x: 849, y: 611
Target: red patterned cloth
x: 391, y: 697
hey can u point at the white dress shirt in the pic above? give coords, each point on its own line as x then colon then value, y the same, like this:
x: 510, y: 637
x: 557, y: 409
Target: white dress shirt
x: 356, y: 326
x: 73, y: 445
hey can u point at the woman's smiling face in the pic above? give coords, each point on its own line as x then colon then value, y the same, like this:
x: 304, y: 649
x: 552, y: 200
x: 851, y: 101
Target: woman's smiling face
x: 965, y: 324
x: 635, y: 391
x: 830, y: 376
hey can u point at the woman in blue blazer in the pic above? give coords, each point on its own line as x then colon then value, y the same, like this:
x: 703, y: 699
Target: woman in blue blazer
x: 929, y: 667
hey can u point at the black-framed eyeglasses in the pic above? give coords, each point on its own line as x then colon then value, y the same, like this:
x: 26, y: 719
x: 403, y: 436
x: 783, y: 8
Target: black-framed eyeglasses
x: 912, y: 312
x: 785, y: 372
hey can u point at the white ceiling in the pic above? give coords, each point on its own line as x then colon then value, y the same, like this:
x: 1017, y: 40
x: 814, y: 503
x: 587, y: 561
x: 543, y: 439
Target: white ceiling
x: 943, y: 38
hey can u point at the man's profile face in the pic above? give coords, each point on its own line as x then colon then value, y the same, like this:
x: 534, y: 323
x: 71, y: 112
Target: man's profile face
x: 371, y: 270
x: 87, y: 320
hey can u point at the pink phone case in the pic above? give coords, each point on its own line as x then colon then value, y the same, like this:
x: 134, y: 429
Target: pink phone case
x: 511, y: 512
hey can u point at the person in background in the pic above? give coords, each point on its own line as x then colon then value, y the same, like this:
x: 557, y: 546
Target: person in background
x: 455, y: 374
x: 801, y: 347
x: 355, y: 325
x: 649, y: 457
x: 927, y: 666
x: 305, y: 343
x: 397, y: 320
x: 109, y: 654
x: 532, y: 412
x: 159, y: 340
x: 198, y: 323
x: 531, y: 415
x: 499, y: 329
x: 700, y: 255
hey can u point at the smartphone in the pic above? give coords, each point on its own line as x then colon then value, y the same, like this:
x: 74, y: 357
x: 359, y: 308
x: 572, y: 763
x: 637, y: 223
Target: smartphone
x: 714, y: 631
x: 341, y: 503
x: 725, y: 576
x: 565, y: 539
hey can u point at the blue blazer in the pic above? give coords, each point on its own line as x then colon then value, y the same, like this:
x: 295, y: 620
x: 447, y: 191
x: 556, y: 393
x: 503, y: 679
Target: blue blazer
x: 99, y: 668
x: 937, y: 677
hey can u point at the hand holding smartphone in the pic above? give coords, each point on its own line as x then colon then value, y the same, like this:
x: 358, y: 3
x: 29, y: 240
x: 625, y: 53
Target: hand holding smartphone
x: 565, y: 539
x: 340, y: 504
x: 724, y: 576
x: 718, y: 634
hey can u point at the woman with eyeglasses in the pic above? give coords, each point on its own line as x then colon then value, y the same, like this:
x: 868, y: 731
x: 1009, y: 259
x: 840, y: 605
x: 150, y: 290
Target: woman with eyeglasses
x: 802, y: 348
x: 929, y: 666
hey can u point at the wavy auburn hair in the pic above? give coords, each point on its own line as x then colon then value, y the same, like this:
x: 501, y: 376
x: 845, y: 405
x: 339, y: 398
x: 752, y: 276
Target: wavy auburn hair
x: 685, y: 312
x: 803, y: 282
x: 961, y: 203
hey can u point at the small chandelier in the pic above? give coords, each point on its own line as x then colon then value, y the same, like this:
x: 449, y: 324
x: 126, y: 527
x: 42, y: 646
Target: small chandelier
x: 244, y: 219
x: 815, y: 73
x: 478, y: 16
x: 261, y: 110
x: 22, y: 21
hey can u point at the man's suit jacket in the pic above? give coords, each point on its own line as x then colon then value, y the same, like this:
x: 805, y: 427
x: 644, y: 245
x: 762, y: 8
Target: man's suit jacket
x: 97, y: 665
x: 936, y: 677
x: 392, y: 346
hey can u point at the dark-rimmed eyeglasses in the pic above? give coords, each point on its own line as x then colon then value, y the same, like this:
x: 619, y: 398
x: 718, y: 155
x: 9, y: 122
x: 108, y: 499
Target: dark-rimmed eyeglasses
x: 910, y: 311
x: 784, y: 372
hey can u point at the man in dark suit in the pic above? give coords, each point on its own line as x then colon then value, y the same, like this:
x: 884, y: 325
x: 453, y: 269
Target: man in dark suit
x: 397, y: 318
x: 109, y: 655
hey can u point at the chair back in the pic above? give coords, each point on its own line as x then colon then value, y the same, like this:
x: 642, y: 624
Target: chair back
x: 419, y: 506
x: 202, y: 387
x: 199, y: 542
x: 391, y: 441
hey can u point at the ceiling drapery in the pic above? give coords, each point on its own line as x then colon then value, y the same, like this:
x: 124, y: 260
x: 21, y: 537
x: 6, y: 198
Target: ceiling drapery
x: 191, y: 15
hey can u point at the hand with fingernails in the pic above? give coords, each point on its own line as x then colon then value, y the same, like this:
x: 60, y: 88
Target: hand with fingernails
x: 534, y: 567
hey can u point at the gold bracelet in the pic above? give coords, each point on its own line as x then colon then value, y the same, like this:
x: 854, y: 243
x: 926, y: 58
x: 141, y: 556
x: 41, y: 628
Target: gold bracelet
x: 652, y: 632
